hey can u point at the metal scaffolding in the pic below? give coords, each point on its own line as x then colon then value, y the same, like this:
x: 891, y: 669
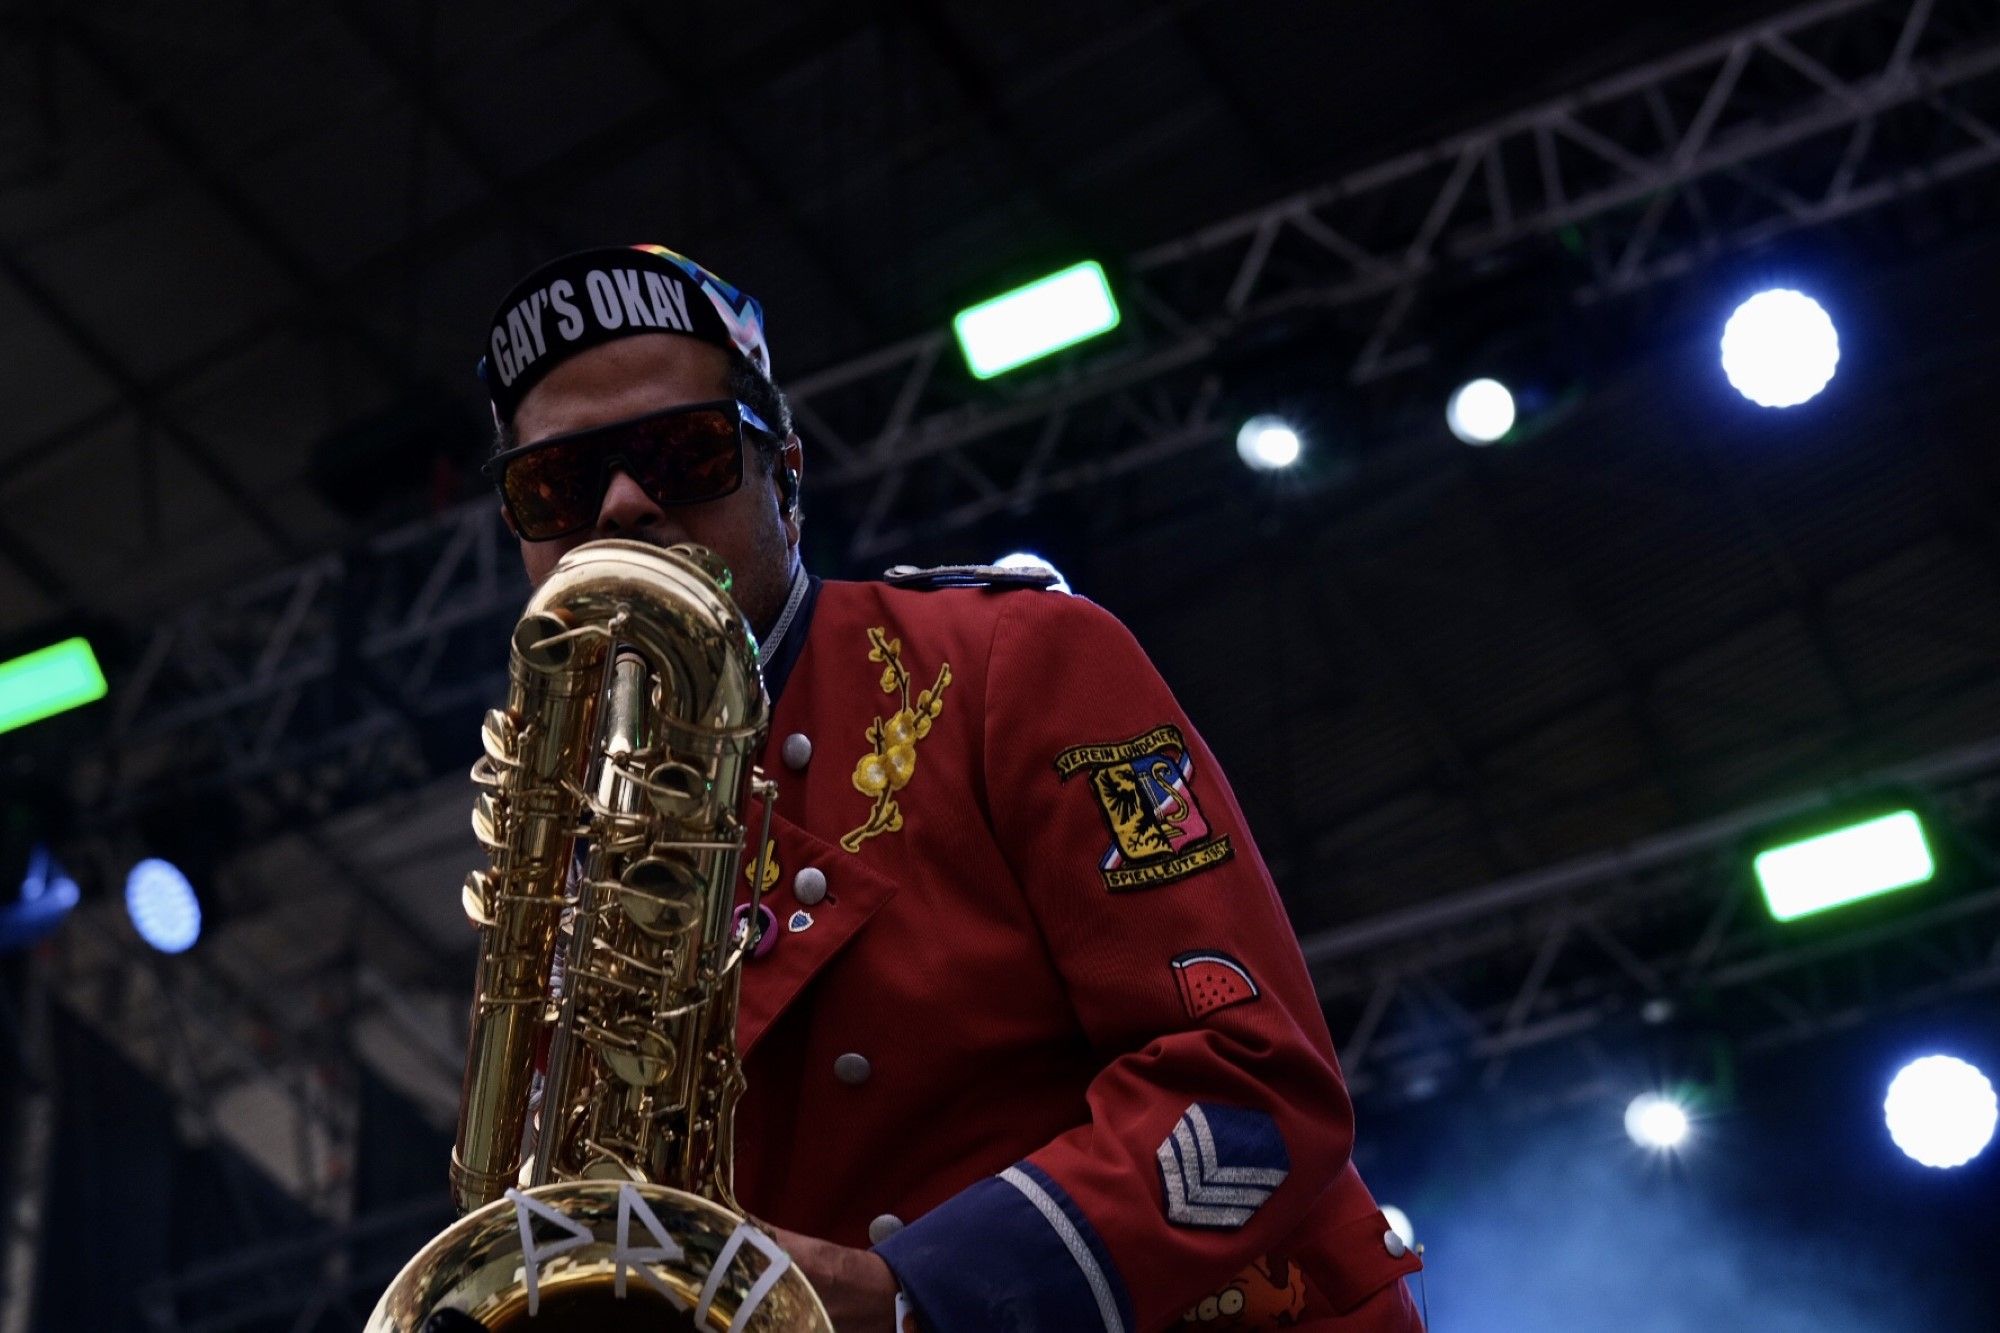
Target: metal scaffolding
x: 299, y: 693
x: 275, y: 1091
x: 1544, y: 983
x: 317, y: 677
x: 1811, y: 116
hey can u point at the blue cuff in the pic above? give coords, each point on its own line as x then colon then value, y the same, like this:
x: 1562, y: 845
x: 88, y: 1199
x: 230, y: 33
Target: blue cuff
x: 1012, y: 1252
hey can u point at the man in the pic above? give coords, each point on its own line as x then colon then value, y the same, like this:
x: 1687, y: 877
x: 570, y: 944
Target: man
x: 1029, y: 1042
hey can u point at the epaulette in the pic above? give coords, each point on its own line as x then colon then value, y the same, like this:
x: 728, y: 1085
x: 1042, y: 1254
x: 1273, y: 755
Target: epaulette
x: 970, y: 576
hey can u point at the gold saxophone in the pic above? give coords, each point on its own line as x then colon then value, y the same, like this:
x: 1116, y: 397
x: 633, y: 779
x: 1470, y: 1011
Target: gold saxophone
x: 624, y: 1215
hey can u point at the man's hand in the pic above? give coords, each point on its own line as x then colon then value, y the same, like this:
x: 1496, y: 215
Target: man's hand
x: 856, y: 1285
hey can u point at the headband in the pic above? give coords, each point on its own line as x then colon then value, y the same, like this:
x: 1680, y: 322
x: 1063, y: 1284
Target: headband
x: 597, y: 296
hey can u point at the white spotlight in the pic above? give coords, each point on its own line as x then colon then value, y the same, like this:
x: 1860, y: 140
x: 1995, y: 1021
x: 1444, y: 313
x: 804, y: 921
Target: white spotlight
x: 162, y: 905
x: 1656, y: 1122
x: 1029, y: 560
x: 1480, y: 412
x: 1268, y: 444
x: 1780, y: 348
x: 1399, y: 1222
x: 1941, y: 1111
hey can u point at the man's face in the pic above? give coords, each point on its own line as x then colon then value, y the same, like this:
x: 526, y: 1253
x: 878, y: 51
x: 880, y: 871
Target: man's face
x: 631, y: 377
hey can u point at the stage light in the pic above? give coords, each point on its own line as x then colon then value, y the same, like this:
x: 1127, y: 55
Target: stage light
x: 47, y: 895
x: 1268, y: 444
x: 1657, y: 1122
x: 48, y: 681
x: 1941, y: 1111
x: 162, y: 905
x: 1780, y: 348
x: 1481, y: 412
x: 1045, y: 316
x: 1029, y: 560
x: 1833, y: 869
x: 1399, y: 1222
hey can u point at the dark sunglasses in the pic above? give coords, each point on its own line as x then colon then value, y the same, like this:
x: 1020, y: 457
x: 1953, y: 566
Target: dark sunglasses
x: 682, y: 456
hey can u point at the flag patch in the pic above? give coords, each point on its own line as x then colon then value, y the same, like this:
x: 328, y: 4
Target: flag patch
x: 1219, y: 1165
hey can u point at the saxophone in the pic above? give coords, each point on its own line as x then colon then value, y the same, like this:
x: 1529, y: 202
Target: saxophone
x: 624, y: 1214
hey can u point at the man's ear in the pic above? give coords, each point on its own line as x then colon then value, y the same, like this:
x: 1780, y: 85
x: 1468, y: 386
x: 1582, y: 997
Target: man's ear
x: 508, y: 519
x: 790, y: 475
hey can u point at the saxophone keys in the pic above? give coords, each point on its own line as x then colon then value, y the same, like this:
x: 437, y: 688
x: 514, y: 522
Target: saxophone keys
x: 644, y: 1060
x: 677, y: 790
x: 500, y: 735
x: 662, y: 897
x: 477, y: 897
x: 486, y: 821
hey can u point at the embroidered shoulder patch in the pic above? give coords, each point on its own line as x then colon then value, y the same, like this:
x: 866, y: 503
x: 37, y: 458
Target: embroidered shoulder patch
x: 1209, y: 979
x: 1145, y: 788
x: 1269, y: 1294
x: 1219, y: 1165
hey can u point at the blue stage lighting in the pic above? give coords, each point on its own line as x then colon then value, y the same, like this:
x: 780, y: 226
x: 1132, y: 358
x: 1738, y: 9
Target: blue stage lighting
x: 1941, y: 1111
x: 48, y: 895
x: 1029, y: 560
x: 162, y: 905
x: 1780, y: 348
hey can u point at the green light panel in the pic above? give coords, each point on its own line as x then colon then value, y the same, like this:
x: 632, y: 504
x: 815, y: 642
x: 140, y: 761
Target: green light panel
x: 1045, y: 316
x: 1844, y: 866
x: 48, y: 681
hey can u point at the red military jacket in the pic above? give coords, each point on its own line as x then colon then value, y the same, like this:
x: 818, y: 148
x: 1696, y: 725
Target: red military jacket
x: 1032, y: 1019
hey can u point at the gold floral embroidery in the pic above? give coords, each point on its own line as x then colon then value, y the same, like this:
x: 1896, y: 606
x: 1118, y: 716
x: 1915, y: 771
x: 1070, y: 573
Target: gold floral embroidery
x: 892, y: 757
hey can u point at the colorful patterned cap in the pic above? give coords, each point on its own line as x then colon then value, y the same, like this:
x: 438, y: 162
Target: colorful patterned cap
x: 596, y: 296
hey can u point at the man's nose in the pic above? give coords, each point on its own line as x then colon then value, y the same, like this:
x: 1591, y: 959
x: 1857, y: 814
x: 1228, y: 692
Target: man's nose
x: 627, y: 508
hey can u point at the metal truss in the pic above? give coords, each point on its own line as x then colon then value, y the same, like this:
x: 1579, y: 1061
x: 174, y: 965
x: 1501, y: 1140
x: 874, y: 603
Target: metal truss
x: 305, y: 689
x: 270, y: 1089
x: 302, y: 694
x: 319, y: 677
x: 1806, y: 118
x: 268, y: 1064
x: 1537, y: 986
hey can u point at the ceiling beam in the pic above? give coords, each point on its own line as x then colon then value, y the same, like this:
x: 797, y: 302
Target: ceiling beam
x: 603, y: 150
x: 701, y: 99
x: 417, y: 76
x: 149, y: 408
x: 123, y: 78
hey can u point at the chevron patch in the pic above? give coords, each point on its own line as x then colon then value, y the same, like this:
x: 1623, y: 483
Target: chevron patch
x: 1219, y: 1165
